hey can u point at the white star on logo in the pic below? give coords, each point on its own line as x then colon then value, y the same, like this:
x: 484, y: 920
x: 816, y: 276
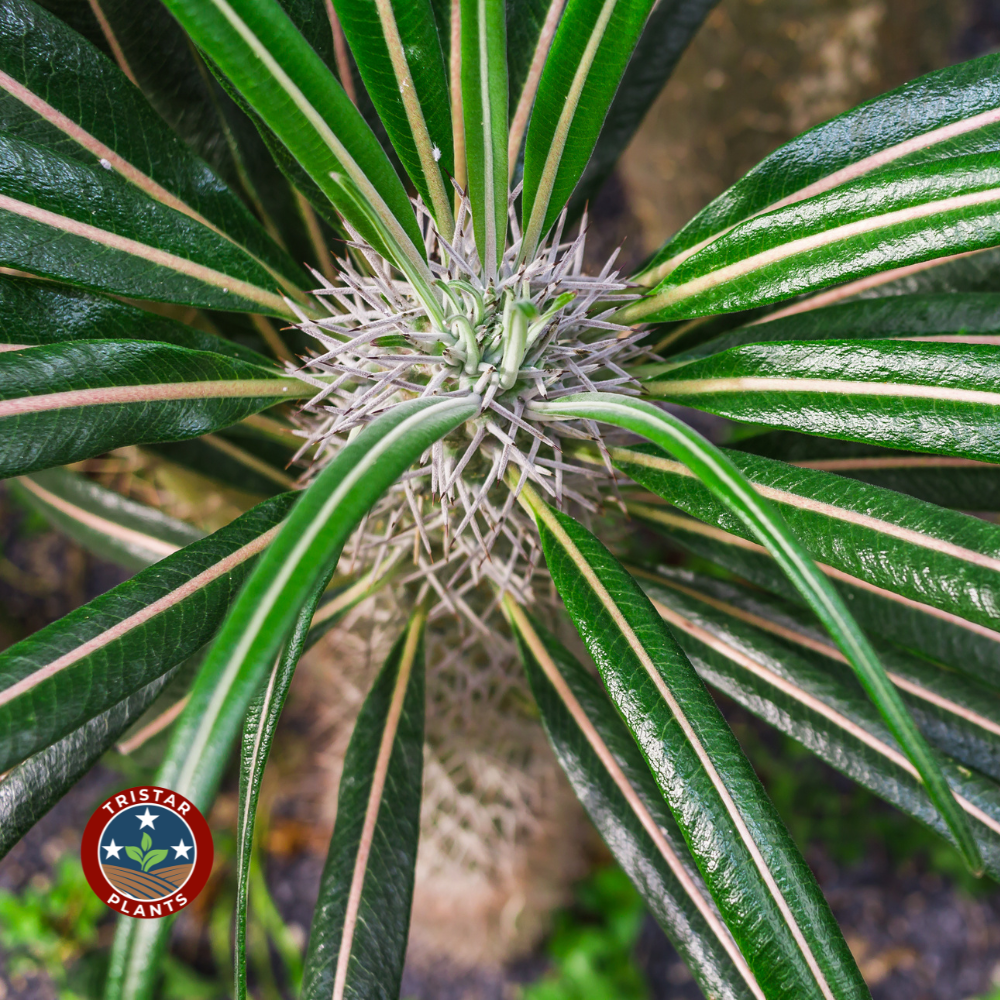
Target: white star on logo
x: 146, y: 819
x: 112, y: 849
x: 182, y: 850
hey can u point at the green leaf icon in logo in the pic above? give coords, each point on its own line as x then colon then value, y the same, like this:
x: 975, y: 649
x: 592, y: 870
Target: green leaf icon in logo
x: 143, y: 855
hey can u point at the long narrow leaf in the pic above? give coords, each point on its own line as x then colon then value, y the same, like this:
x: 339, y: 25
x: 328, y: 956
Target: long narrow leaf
x: 412, y: 100
x: 612, y: 781
x: 87, y: 662
x: 484, y: 106
x: 102, y: 521
x: 729, y: 485
x: 762, y: 886
x: 589, y: 54
x: 60, y: 403
x: 937, y: 398
x: 300, y: 559
x: 357, y: 943
x: 825, y: 709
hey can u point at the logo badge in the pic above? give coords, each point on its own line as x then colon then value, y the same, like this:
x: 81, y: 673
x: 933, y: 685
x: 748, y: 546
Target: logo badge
x: 147, y: 852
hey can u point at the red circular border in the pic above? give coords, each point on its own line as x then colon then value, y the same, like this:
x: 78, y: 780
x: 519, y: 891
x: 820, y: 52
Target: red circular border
x: 205, y: 852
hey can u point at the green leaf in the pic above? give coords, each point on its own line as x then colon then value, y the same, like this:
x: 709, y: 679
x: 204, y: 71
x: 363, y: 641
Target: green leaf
x: 668, y: 31
x: 153, y: 858
x: 938, y: 557
x: 589, y: 54
x: 956, y: 714
x: 81, y: 223
x: 821, y: 705
x: 729, y: 486
x: 937, y: 398
x: 897, y: 217
x: 61, y: 403
x: 40, y: 312
x: 45, y: 66
x: 102, y: 521
x: 946, y: 638
x: 135, y: 853
x: 943, y: 480
x: 258, y: 48
x: 357, y: 942
x: 399, y: 56
x: 30, y: 790
x: 146, y: 842
x: 968, y: 318
x: 89, y: 661
x: 484, y: 108
x: 611, y: 779
x: 761, y: 884
x: 298, y: 562
x: 925, y: 119
x: 258, y: 734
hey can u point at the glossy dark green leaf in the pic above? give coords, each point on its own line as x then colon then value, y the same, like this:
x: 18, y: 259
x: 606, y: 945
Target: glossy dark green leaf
x: 297, y: 564
x: 761, y: 884
x: 963, y: 645
x: 44, y: 66
x: 79, y: 222
x: 939, y: 479
x: 258, y: 48
x: 937, y: 398
x: 896, y: 217
x: 958, y: 715
x: 729, y: 486
x: 589, y: 53
x: 668, y: 31
x: 972, y: 317
x: 258, y: 734
x: 60, y: 403
x: 41, y: 312
x: 357, y: 942
x: 82, y: 665
x: 30, y: 790
x: 113, y: 527
x: 525, y: 21
x: 935, y: 556
x: 611, y: 779
x: 399, y: 55
x: 485, y: 111
x: 931, y: 117
x: 821, y: 705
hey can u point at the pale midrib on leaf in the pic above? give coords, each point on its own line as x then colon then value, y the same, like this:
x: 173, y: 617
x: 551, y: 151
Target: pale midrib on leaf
x: 490, y: 222
x: 553, y: 158
x: 540, y: 510
x: 717, y: 534
x: 455, y: 86
x: 126, y: 536
x: 892, y: 462
x: 158, y: 724
x: 519, y: 121
x: 206, y: 723
x: 323, y: 130
x: 629, y: 793
x: 838, y: 177
x: 112, y: 40
x: 805, y: 244
x: 846, y: 387
x: 832, y: 511
x: 813, y: 703
x: 131, y: 173
x: 415, y: 118
x: 207, y: 275
x: 156, y: 392
x: 122, y: 628
x: 375, y: 801
x: 829, y: 650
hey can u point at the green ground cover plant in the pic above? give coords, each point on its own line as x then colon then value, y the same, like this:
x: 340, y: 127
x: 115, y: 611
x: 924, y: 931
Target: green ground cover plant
x: 453, y: 403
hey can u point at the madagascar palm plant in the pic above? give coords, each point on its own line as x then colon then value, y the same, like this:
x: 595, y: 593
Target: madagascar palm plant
x: 455, y: 404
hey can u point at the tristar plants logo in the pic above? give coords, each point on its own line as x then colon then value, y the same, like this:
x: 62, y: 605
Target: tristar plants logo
x: 147, y: 852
